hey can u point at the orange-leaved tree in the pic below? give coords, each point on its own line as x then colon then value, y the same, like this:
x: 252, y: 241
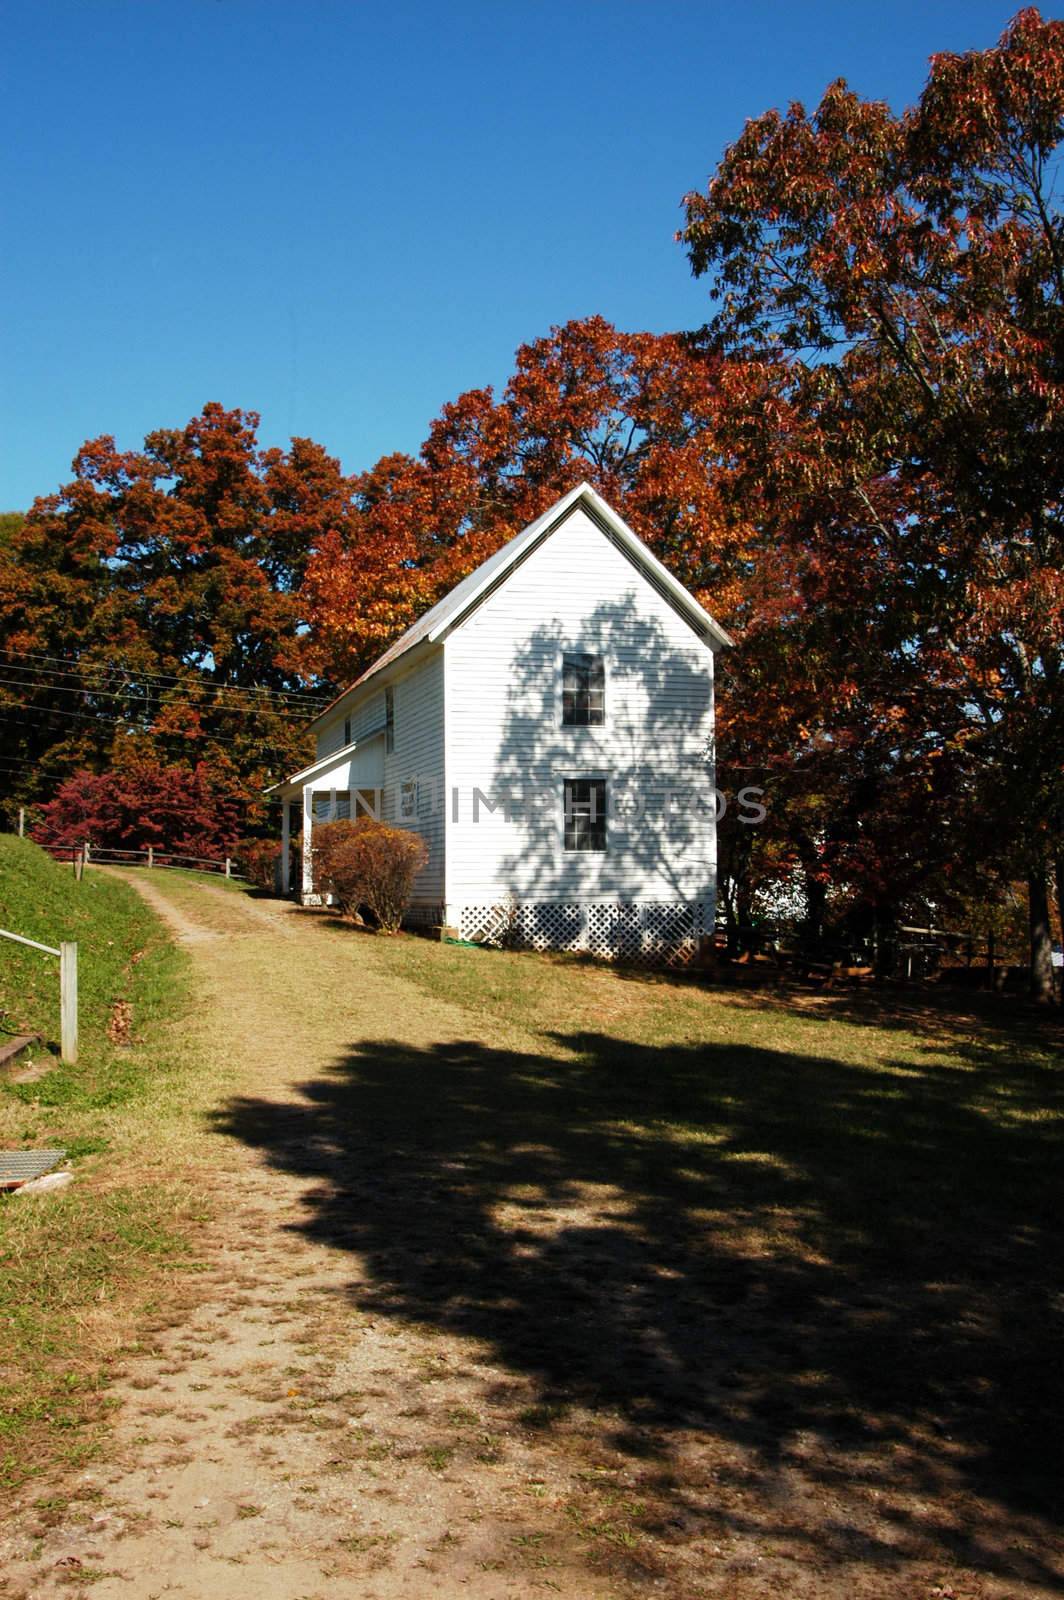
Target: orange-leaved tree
x: 908, y: 271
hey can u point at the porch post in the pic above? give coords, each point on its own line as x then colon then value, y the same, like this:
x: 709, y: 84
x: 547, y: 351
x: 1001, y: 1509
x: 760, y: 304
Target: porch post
x: 308, y: 830
x: 286, y: 840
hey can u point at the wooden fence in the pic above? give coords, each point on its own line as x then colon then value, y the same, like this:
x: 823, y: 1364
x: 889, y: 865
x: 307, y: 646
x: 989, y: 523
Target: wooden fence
x: 905, y: 952
x: 89, y: 854
x: 68, y: 989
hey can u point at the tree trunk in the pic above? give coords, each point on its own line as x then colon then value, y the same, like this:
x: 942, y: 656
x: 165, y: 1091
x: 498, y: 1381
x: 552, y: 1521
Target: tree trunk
x: 1041, y: 937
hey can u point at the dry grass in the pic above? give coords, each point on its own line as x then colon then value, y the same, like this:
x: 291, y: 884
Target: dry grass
x: 584, y: 1281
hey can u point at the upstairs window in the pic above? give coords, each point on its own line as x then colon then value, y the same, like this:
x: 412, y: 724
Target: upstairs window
x: 347, y: 730
x: 389, y: 720
x: 408, y: 800
x: 585, y: 813
x: 583, y: 691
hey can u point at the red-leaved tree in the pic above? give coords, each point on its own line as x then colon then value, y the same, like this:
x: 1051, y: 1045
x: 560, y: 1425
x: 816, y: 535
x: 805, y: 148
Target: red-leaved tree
x: 175, y: 809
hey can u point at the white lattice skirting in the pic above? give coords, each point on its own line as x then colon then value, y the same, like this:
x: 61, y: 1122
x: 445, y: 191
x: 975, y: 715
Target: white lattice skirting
x: 655, y: 934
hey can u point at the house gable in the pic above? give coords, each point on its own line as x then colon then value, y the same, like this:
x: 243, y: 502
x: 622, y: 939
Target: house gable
x: 578, y: 591
x: 461, y: 601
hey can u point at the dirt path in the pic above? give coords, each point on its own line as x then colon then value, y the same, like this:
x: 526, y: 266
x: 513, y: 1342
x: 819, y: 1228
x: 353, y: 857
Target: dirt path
x: 281, y: 1439
x: 453, y: 1332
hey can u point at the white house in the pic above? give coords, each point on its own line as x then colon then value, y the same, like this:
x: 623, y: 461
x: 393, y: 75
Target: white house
x: 548, y: 729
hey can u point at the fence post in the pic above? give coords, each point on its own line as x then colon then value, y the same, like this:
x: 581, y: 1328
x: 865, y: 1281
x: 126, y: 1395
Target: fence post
x: 151, y: 855
x: 79, y: 865
x: 68, y: 1001
x: 22, y: 822
x: 227, y: 866
x: 88, y: 856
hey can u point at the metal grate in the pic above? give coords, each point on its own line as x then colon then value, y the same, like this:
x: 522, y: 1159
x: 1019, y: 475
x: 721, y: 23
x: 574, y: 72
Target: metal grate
x: 19, y: 1166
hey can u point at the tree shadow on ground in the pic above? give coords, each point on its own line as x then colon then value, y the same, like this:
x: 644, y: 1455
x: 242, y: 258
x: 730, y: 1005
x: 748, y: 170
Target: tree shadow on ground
x: 762, y: 1247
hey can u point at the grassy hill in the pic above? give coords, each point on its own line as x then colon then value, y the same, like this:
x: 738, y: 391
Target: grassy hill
x: 40, y: 899
x: 78, y: 1268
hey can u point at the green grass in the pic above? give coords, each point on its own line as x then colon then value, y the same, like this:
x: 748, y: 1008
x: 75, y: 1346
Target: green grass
x: 218, y: 879
x: 123, y: 952
x: 75, y: 1267
x: 779, y: 1214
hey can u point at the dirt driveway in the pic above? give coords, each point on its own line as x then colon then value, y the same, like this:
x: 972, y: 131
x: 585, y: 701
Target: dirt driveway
x: 283, y: 1440
x: 322, y: 1415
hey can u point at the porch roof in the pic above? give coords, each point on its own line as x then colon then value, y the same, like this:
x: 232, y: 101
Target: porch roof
x: 294, y: 785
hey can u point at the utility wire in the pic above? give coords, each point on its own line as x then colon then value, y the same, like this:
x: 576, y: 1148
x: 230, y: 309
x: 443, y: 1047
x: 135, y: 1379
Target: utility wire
x: 87, y: 716
x: 65, y: 668
x: 260, y: 710
x: 165, y: 683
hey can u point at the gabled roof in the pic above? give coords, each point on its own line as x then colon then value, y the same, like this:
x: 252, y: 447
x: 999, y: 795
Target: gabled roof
x: 459, y: 601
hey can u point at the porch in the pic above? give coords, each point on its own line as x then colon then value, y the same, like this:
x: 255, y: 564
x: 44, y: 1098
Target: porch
x: 346, y: 783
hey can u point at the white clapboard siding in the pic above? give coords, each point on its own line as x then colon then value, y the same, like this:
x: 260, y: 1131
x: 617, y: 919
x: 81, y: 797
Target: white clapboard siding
x: 364, y: 713
x: 578, y: 591
x: 418, y: 754
x: 362, y: 768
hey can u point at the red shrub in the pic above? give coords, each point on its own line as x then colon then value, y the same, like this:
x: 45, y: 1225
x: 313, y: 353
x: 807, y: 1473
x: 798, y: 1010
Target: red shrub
x: 261, y: 859
x: 367, y: 863
x: 173, y: 808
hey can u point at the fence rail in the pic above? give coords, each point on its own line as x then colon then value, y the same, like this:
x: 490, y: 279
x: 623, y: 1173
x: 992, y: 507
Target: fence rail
x: 904, y: 952
x: 67, y: 952
x: 151, y: 857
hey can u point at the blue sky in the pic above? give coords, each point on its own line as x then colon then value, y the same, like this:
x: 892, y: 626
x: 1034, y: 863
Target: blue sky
x: 341, y: 215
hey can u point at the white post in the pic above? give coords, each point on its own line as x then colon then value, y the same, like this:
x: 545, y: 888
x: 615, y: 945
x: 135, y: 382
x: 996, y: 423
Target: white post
x: 308, y: 833
x: 88, y: 856
x: 22, y: 822
x: 151, y: 855
x: 227, y: 866
x: 79, y: 865
x: 286, y: 832
x: 68, y: 1001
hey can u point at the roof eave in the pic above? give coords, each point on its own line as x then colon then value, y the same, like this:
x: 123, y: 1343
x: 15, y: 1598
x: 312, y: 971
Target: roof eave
x: 292, y: 785
x: 360, y: 683
x: 711, y: 631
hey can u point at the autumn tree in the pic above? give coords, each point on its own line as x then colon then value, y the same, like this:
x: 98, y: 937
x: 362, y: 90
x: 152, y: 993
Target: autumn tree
x: 179, y: 809
x: 638, y: 415
x: 152, y: 606
x: 907, y: 273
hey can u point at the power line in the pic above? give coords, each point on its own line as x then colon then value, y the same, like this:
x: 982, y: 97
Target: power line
x: 87, y: 716
x: 64, y: 668
x: 262, y: 710
x: 291, y: 698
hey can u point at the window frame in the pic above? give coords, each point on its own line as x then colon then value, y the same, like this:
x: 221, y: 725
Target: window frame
x: 570, y: 814
x: 389, y: 720
x: 567, y: 652
x: 409, y: 795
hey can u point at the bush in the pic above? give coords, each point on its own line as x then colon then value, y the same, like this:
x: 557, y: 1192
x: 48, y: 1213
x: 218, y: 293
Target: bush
x: 367, y: 863
x: 139, y: 803
x: 261, y: 859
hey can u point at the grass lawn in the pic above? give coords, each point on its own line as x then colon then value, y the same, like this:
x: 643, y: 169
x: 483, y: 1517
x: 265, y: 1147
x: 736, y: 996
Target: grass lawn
x: 771, y: 1277
x: 807, y: 1225
x: 77, y: 1269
